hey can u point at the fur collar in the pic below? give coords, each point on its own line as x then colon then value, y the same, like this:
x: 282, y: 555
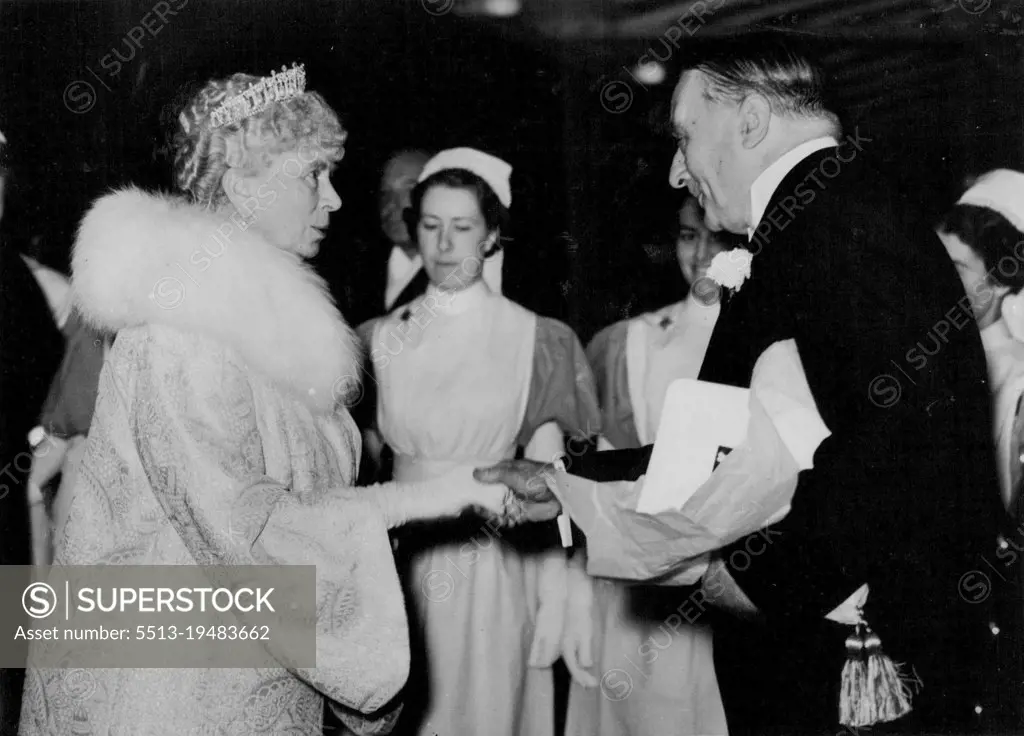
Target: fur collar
x: 152, y: 259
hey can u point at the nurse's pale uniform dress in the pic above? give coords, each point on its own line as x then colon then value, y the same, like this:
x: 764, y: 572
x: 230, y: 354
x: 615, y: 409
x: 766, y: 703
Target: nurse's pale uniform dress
x: 657, y: 673
x: 465, y: 381
x: 1005, y: 357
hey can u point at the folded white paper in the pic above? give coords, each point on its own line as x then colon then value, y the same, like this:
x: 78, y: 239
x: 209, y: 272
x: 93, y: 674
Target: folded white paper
x: 849, y: 611
x: 663, y: 527
x: 700, y: 422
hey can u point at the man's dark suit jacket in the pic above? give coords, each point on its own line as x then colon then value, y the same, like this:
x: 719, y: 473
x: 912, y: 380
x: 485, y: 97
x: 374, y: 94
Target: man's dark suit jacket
x: 366, y: 282
x: 31, y: 347
x: 903, y: 495
x: 30, y: 352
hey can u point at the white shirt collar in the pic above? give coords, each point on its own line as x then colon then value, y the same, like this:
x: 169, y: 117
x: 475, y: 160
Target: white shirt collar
x: 401, y: 271
x: 765, y: 185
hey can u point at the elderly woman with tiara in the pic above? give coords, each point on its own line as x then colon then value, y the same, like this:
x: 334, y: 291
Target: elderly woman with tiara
x: 218, y: 437
x: 465, y: 377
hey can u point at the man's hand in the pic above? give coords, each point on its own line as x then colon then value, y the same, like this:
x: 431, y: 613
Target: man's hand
x: 528, y: 480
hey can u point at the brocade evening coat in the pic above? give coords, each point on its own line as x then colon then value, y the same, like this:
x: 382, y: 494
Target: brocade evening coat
x: 217, y: 439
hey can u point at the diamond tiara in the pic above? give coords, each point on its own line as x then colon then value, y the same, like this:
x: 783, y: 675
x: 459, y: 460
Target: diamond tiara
x: 278, y: 86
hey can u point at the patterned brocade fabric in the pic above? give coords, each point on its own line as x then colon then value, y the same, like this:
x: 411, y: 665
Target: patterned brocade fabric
x: 192, y: 459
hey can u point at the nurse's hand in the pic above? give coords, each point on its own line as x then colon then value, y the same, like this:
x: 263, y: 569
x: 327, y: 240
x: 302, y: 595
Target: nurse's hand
x: 578, y: 634
x: 551, y: 591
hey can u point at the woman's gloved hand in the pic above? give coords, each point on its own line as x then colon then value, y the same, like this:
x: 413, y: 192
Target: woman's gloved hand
x: 446, y: 496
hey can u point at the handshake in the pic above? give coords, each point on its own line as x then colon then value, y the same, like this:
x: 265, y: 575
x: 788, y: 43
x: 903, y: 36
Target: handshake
x: 529, y: 497
x: 509, y: 493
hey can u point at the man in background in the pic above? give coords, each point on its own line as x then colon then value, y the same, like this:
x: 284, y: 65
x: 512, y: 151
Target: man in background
x: 391, y: 265
x: 31, y: 346
x: 406, y: 278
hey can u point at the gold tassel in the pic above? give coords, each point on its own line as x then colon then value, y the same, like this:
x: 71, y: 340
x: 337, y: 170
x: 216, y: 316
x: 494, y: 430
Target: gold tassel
x: 854, y: 682
x: 872, y: 690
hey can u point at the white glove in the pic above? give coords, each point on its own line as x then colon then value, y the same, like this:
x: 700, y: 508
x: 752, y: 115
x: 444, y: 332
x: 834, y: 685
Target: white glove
x: 577, y: 639
x: 445, y: 496
x: 551, y: 590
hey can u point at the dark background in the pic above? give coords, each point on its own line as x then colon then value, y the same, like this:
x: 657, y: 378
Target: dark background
x: 936, y: 85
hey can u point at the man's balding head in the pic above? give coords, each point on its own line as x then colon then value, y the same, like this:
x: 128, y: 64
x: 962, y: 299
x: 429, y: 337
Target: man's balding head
x: 735, y: 112
x: 396, y: 184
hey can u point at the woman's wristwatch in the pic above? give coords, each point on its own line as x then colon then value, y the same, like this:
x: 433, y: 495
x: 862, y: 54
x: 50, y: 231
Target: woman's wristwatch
x: 36, y: 437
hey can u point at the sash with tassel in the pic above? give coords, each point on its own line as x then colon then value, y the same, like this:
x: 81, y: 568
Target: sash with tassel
x: 872, y: 689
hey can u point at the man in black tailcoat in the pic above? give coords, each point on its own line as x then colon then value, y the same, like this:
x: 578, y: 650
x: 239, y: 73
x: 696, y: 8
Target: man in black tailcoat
x: 903, y: 495
x: 388, y: 272
x: 30, y: 352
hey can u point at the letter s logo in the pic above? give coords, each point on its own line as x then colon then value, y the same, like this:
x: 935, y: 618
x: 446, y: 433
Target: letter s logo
x: 39, y: 600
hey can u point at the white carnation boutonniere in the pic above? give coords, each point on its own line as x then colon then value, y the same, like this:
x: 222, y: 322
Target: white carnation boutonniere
x: 730, y: 269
